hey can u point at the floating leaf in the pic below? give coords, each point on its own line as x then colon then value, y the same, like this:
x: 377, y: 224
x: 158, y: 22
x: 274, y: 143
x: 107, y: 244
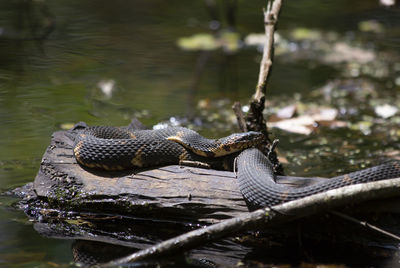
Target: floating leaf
x: 308, y: 34
x: 370, y: 26
x: 230, y: 41
x: 201, y: 41
x: 301, y: 125
x: 305, y: 124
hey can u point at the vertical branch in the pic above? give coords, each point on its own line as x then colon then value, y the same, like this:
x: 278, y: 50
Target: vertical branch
x: 255, y: 119
x: 270, y: 19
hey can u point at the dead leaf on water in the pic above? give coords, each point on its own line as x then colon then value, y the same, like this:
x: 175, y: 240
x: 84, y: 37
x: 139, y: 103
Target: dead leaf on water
x: 287, y: 112
x: 393, y: 154
x: 301, y: 125
x: 307, y: 123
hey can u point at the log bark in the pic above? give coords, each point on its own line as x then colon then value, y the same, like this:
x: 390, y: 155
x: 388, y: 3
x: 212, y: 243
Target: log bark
x: 178, y: 192
x: 173, y: 192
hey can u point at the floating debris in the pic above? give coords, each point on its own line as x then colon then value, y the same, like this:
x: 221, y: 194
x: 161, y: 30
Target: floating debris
x: 387, y: 3
x: 287, y: 112
x: 306, y: 34
x: 200, y: 41
x: 228, y: 41
x: 307, y: 123
x: 371, y: 26
x: 107, y: 87
x: 300, y: 125
x: 364, y: 126
x: 343, y: 52
x: 386, y: 110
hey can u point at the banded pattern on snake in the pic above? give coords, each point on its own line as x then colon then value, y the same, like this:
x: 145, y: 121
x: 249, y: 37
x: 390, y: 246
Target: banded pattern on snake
x: 257, y: 180
x: 112, y: 148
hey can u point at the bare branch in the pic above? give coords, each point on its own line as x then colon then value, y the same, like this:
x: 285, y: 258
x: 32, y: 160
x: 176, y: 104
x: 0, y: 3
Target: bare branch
x: 237, y: 109
x: 270, y: 19
x: 366, y: 225
x: 254, y: 119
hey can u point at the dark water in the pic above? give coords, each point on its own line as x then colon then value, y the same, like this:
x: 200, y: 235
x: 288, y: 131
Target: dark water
x: 53, y: 55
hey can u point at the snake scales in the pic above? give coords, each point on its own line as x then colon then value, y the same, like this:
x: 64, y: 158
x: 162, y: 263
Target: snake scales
x: 112, y: 148
x: 257, y: 180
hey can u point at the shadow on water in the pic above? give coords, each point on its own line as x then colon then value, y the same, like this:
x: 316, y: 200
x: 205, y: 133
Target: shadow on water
x: 102, y: 238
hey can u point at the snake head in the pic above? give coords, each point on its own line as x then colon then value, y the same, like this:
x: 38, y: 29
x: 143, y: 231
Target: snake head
x: 241, y: 141
x: 219, y: 147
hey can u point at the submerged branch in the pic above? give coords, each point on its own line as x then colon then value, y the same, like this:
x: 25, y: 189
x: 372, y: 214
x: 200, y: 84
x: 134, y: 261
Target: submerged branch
x: 268, y: 217
x: 366, y: 225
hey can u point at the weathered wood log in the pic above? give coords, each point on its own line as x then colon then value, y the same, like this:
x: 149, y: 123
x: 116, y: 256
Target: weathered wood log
x: 170, y: 192
x: 177, y: 192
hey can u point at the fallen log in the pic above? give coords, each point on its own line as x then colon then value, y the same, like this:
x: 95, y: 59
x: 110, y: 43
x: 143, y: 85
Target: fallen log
x: 170, y: 192
x: 177, y: 192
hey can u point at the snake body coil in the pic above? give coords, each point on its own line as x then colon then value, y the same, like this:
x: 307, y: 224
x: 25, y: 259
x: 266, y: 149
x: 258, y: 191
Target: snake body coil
x: 257, y: 180
x: 112, y: 148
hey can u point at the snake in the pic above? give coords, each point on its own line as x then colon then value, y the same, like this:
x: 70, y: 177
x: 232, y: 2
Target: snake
x: 121, y: 148
x: 259, y: 187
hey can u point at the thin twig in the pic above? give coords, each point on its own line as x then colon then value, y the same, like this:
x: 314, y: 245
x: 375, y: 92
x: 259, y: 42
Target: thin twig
x: 270, y: 19
x: 268, y: 217
x: 237, y: 109
x: 365, y: 224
